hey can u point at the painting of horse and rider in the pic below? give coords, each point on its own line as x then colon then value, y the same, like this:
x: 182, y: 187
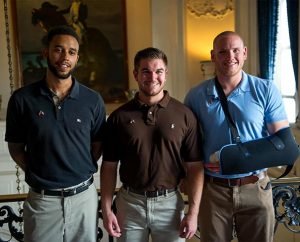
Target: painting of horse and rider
x: 102, y: 64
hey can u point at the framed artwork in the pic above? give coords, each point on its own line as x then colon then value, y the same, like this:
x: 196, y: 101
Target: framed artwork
x: 101, y: 24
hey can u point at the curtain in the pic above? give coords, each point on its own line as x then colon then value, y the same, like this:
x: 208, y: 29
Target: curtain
x: 267, y: 34
x: 293, y: 21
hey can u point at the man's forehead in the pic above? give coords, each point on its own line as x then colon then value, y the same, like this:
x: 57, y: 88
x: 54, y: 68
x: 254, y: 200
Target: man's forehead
x: 152, y: 62
x: 64, y: 40
x: 229, y: 40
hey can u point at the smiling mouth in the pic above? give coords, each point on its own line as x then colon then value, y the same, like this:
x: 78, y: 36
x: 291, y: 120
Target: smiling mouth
x: 150, y: 84
x: 63, y: 66
x: 231, y: 64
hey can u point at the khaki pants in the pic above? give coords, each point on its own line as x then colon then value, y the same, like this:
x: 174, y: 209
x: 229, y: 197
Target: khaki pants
x: 140, y: 217
x: 59, y: 219
x: 248, y: 209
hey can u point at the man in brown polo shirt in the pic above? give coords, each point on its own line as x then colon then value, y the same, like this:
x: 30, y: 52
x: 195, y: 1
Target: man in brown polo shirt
x: 157, y: 142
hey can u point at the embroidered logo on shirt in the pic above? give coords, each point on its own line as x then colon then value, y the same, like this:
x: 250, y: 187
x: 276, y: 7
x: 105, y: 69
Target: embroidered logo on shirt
x: 210, y: 101
x: 41, y: 114
x: 172, y: 126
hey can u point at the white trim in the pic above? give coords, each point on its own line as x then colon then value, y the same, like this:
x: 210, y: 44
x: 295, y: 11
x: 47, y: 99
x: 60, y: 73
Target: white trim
x: 168, y: 35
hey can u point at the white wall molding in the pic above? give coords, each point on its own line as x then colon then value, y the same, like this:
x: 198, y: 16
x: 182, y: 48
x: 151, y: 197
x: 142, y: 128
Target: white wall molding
x: 168, y: 35
x: 246, y: 26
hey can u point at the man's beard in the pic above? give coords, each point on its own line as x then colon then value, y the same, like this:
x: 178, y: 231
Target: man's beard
x: 56, y: 73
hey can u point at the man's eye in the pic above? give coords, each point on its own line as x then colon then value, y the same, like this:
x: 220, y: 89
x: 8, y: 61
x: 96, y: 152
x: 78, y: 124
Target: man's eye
x: 72, y: 52
x: 58, y: 50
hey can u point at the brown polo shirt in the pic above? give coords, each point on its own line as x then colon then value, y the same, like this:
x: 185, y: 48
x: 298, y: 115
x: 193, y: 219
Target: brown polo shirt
x: 152, y: 142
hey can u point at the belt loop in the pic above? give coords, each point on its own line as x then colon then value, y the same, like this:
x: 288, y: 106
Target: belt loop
x: 42, y: 192
x: 229, y: 183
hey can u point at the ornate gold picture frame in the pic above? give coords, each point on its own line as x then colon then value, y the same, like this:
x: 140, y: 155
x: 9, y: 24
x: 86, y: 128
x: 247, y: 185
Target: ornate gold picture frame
x: 101, y: 24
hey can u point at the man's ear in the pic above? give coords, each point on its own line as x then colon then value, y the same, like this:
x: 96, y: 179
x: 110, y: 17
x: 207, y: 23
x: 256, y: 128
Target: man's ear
x: 245, y: 53
x: 135, y: 73
x: 45, y: 53
x: 212, y: 55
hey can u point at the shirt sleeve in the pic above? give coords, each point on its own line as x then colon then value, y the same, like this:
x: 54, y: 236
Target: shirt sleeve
x: 15, y: 127
x: 193, y: 147
x: 99, y: 121
x: 275, y: 110
x: 111, y: 145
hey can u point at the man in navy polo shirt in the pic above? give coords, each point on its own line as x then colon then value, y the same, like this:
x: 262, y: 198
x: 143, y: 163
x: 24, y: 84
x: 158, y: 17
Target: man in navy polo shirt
x: 54, y: 133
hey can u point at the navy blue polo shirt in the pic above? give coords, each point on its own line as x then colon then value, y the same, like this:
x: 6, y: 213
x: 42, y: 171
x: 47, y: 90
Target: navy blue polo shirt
x: 58, y: 138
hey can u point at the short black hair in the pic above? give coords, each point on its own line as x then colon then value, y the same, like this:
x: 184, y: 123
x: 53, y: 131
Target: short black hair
x: 60, y: 30
x: 149, y: 53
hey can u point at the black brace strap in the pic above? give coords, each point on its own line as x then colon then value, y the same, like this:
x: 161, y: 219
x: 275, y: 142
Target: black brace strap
x: 223, y: 100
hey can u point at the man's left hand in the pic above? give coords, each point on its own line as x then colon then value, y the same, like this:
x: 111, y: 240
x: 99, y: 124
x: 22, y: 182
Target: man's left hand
x: 188, y: 226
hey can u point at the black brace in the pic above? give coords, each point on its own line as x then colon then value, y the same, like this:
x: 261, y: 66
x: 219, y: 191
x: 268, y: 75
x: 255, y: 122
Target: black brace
x: 278, y: 149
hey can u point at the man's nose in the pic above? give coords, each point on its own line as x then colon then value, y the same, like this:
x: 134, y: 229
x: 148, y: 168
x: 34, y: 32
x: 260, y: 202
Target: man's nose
x: 65, y: 54
x: 231, y: 53
x: 153, y: 74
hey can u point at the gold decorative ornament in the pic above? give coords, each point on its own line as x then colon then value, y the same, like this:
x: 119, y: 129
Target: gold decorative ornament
x: 212, y: 8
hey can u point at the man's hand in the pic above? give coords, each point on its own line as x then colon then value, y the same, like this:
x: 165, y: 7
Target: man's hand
x: 108, y: 175
x: 188, y: 226
x: 214, y: 163
x: 111, y: 225
x: 194, y: 185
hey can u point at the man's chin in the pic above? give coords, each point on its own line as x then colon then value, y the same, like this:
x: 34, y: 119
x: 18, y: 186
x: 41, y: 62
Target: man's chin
x: 62, y: 75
